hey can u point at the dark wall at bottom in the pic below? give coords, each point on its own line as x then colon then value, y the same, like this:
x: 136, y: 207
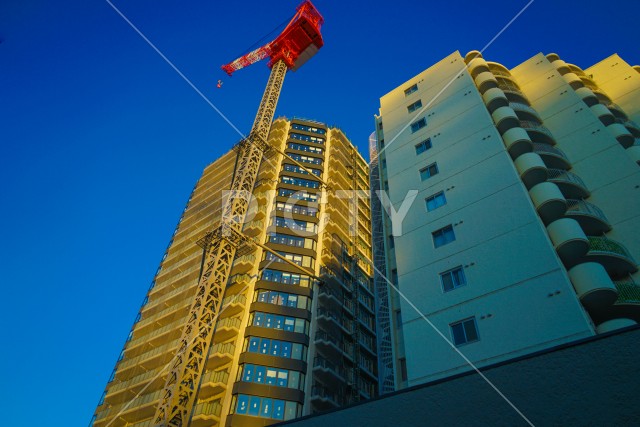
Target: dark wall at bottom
x: 594, y: 382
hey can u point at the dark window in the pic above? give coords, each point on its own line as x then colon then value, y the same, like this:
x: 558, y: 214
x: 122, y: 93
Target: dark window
x: 413, y: 107
x: 452, y: 279
x: 435, y: 201
x: 411, y: 89
x: 416, y: 126
x: 423, y: 146
x: 443, y: 236
x: 391, y: 242
x: 429, y: 171
x: 403, y: 369
x: 464, y: 331
x: 394, y: 276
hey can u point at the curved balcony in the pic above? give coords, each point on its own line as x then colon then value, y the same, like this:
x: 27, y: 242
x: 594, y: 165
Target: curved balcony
x: 628, y: 303
x: 588, y: 82
x: 505, y: 118
x: 517, y: 142
x: 525, y: 112
x: 634, y: 152
x: 602, y: 97
x: 615, y: 258
x: 560, y: 65
x: 593, y: 286
x: 473, y: 54
x: 485, y: 81
x: 553, y: 157
x: 577, y: 70
x: 632, y: 127
x: 617, y: 111
x: 549, y: 201
x: 621, y: 134
x: 587, y: 96
x: 573, y: 80
x: 551, y: 57
x: 499, y: 70
x: 476, y: 66
x: 531, y: 168
x: 603, y: 113
x: 590, y: 217
x: 637, y: 68
x: 613, y: 324
x: 538, y: 132
x: 495, y: 98
x: 253, y: 228
x: 569, y: 240
x: 571, y: 185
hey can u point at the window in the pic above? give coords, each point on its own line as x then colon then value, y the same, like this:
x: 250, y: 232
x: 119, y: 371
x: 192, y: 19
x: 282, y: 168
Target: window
x: 306, y: 128
x: 398, y: 318
x: 274, y: 321
x: 305, y: 159
x: 298, y: 169
x: 416, y: 126
x: 299, y: 182
x: 435, y: 201
x: 297, y: 209
x: 265, y: 407
x: 394, y: 276
x: 283, y: 298
x: 276, y: 348
x: 452, y: 279
x: 384, y: 163
x: 464, y: 331
x: 411, y: 89
x: 403, y: 369
x: 413, y: 107
x: 381, y: 144
x: 302, y: 147
x: 272, y: 376
x: 423, y: 146
x: 286, y: 278
x: 429, y: 171
x: 306, y: 138
x: 391, y: 242
x: 443, y: 236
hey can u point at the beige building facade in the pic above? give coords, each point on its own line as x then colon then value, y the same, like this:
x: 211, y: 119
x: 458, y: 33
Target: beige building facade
x: 523, y: 234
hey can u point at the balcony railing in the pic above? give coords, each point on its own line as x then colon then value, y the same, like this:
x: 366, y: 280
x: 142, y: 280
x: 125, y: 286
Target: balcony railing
x: 526, y: 124
x: 519, y: 106
x: 208, y: 408
x: 582, y: 207
x: 325, y: 393
x: 605, y: 245
x: 561, y: 176
x: 628, y: 292
x: 321, y: 362
x: 216, y: 377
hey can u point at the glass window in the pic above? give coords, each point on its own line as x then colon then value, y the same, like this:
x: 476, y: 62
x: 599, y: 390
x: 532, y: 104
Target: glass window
x: 294, y: 380
x: 248, y: 373
x: 286, y: 349
x: 282, y: 378
x: 243, y: 404
x: 423, y: 146
x: 278, y: 409
x: 429, y: 171
x: 443, y: 236
x: 464, y: 331
x: 254, y: 344
x: 289, y: 324
x: 452, y: 279
x: 272, y: 375
x: 260, y: 374
x: 435, y: 201
x: 290, y: 411
x: 297, y: 352
x: 417, y: 125
x: 265, y: 345
x: 254, y: 406
x: 266, y: 408
x: 275, y: 348
x: 411, y: 89
x: 416, y: 105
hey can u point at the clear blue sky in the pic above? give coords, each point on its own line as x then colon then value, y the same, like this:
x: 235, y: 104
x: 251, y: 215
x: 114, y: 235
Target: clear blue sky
x: 102, y: 142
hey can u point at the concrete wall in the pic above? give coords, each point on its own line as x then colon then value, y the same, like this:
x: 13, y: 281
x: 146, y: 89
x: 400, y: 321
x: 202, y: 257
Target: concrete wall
x: 590, y: 383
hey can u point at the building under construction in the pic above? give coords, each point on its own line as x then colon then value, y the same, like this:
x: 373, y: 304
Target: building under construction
x: 285, y: 343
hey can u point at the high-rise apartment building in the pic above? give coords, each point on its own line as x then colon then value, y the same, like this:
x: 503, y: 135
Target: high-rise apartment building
x: 524, y: 232
x: 292, y: 338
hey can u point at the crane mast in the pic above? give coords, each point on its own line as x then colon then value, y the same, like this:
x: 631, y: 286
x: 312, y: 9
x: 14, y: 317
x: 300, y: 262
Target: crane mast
x: 297, y: 43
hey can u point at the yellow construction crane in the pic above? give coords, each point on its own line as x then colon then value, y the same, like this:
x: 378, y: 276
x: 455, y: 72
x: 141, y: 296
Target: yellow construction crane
x: 298, y: 42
